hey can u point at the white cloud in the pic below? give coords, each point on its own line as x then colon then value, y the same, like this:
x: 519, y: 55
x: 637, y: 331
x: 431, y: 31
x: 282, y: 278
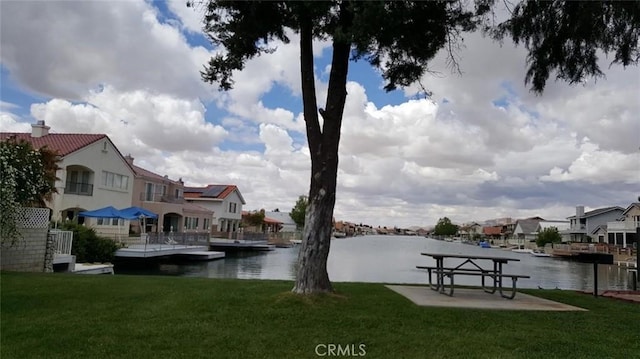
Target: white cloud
x: 491, y: 150
x: 119, y: 43
x: 143, y: 123
x: 190, y: 17
x: 11, y: 123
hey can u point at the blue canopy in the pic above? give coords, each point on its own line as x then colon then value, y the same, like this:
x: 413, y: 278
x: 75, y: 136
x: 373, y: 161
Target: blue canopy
x: 138, y: 212
x: 106, y: 212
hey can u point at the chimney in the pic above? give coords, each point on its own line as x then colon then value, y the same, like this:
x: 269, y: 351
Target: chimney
x: 39, y: 129
x: 579, y: 211
x: 129, y: 159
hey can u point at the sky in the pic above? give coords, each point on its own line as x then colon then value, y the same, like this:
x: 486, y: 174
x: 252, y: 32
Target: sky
x: 482, y: 147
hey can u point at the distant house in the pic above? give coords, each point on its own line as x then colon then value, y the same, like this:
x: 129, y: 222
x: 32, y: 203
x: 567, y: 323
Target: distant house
x: 470, y: 230
x: 492, y: 232
x: 286, y: 222
x: 165, y: 197
x: 583, y: 224
x: 93, y: 174
x: 526, y: 230
x: 224, y: 200
x: 622, y: 232
x: 561, y: 226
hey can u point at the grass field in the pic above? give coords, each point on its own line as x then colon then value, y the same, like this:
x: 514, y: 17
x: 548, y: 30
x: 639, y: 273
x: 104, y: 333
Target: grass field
x: 76, y: 316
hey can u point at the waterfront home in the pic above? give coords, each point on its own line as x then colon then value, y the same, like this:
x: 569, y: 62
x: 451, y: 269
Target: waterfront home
x: 622, y: 232
x: 225, y: 201
x: 583, y: 224
x: 492, y: 233
x: 470, y: 231
x: 165, y: 197
x: 526, y: 230
x: 286, y: 222
x: 93, y: 174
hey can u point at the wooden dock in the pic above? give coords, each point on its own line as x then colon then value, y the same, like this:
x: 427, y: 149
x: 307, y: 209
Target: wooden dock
x: 229, y: 245
x: 156, y: 250
x: 202, y: 255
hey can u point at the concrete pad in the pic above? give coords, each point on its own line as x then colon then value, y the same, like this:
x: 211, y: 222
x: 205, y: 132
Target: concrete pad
x: 477, y: 298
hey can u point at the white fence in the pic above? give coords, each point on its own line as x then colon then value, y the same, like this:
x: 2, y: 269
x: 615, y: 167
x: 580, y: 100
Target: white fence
x: 63, y: 241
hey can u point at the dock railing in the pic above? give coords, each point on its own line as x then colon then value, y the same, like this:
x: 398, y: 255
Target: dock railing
x: 178, y: 238
x: 63, y: 241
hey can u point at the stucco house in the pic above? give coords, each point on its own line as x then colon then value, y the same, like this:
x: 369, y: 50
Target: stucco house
x: 583, y: 224
x: 225, y: 201
x: 165, y: 197
x: 622, y: 232
x: 93, y: 174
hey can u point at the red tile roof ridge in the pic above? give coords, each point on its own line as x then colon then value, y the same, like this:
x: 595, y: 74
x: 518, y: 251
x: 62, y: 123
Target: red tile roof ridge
x: 145, y: 172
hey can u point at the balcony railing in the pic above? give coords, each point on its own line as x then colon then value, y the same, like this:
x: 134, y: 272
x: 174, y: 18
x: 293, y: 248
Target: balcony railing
x: 79, y: 188
x: 622, y: 225
x: 159, y: 197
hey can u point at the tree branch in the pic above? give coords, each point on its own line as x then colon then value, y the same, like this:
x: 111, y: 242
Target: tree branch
x: 309, y: 100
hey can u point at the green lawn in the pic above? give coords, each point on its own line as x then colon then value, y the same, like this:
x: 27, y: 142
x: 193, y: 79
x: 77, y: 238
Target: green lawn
x: 88, y: 316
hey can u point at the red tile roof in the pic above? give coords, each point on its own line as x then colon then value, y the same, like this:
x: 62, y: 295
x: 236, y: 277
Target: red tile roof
x: 139, y: 171
x: 64, y: 143
x: 268, y: 220
x: 492, y: 230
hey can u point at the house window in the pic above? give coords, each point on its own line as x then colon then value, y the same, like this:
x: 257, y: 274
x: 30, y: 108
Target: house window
x: 79, y: 182
x: 114, y: 180
x: 148, y: 192
x: 205, y: 224
x: 178, y: 193
x: 232, y: 207
x: 191, y: 222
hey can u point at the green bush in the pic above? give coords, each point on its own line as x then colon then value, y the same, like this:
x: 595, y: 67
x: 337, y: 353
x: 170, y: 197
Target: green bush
x: 548, y: 235
x: 87, y: 246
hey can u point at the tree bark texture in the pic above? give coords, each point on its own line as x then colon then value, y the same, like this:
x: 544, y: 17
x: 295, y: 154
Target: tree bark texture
x: 312, y: 275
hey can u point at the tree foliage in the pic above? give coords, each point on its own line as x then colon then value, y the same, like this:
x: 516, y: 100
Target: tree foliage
x: 399, y: 38
x: 299, y: 210
x: 548, y: 235
x: 444, y: 227
x: 28, y: 180
x: 254, y: 218
x: 567, y: 36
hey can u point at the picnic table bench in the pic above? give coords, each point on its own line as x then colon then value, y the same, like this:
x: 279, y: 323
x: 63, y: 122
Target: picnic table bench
x: 471, y: 267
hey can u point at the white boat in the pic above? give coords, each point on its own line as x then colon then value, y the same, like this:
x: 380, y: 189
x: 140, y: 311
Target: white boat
x: 295, y: 241
x: 540, y: 253
x: 337, y: 234
x: 522, y: 250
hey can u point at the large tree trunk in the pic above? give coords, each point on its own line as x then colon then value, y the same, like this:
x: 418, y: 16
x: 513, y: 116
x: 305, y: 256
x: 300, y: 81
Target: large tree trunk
x: 312, y: 276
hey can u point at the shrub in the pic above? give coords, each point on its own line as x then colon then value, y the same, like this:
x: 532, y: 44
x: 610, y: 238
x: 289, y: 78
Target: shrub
x: 548, y: 235
x: 28, y: 179
x: 88, y: 247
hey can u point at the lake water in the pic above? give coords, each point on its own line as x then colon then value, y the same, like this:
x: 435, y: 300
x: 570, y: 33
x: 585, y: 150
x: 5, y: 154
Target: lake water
x: 392, y: 259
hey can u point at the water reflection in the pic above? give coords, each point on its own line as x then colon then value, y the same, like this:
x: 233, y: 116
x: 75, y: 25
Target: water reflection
x: 393, y: 259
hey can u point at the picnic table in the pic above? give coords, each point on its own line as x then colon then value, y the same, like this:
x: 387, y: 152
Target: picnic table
x: 472, y: 265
